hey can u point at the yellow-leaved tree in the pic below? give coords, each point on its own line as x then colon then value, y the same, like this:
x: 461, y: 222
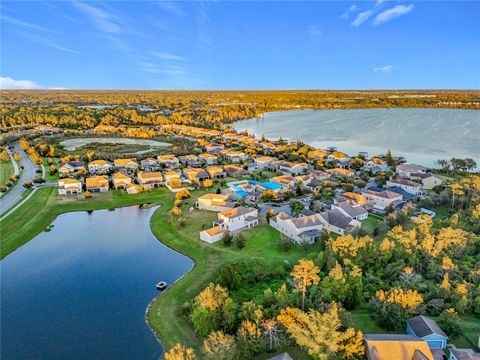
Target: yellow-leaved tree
x: 180, y: 352
x: 219, y: 346
x: 305, y: 274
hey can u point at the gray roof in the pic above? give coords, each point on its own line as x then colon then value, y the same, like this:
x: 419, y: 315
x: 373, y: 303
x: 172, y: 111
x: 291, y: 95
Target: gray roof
x: 336, y: 218
x: 411, y: 167
x: 390, y: 337
x: 283, y: 356
x: 353, y: 211
x: 306, y: 221
x: 465, y: 354
x: 423, y: 326
x: 307, y: 212
x: 311, y: 233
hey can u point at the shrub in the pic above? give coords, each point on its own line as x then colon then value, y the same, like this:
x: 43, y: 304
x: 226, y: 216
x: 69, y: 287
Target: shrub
x: 87, y: 195
x: 239, y: 241
x: 227, y: 239
x: 284, y: 243
x: 27, y: 184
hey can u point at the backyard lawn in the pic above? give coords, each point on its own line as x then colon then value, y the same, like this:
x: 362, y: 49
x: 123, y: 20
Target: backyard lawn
x: 371, y: 223
x: 49, y: 177
x: 6, y: 171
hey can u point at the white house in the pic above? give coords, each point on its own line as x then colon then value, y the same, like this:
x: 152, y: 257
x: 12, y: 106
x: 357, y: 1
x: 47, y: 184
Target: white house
x: 237, y: 219
x: 305, y: 229
x: 234, y: 156
x: 69, y: 187
x: 168, y: 160
x: 99, y: 167
x: 409, y: 186
x: 406, y: 170
x: 429, y: 180
x: 207, y: 158
x: 212, y: 235
x: 339, y: 158
x: 375, y: 165
x: 292, y: 168
x: 356, y: 212
x: 335, y: 221
x: 261, y: 163
x: 381, y: 198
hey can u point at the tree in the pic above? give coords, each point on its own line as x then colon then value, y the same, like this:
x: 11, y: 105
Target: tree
x: 180, y: 352
x: 175, y: 183
x: 239, y: 241
x: 448, y: 322
x: 249, y: 340
x: 182, y: 194
x: 176, y: 211
x: 389, y: 158
x: 208, y: 183
x: 219, y: 346
x: 320, y: 333
x: 305, y: 274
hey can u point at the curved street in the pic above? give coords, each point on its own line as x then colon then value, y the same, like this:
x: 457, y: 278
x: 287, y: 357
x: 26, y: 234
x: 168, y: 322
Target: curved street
x: 28, y: 173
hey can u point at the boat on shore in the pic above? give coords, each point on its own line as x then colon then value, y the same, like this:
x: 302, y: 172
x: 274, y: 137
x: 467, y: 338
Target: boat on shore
x: 162, y: 285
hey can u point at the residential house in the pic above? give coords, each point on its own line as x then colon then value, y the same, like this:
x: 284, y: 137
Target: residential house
x: 196, y: 175
x: 234, y: 156
x: 261, y: 163
x: 337, y: 222
x: 380, y: 198
x: 70, y: 167
x: 149, y: 164
x: 427, y: 329
x: 127, y: 165
x: 97, y: 184
x: 216, y: 172
x: 99, y: 167
x: 213, y: 147
x: 120, y: 180
x: 320, y: 175
x: 356, y: 212
x: 354, y: 198
x: 376, y: 165
x: 69, y: 187
x: 207, y: 158
x: 317, y: 154
x: 396, y: 347
x: 286, y: 181
x: 189, y: 160
x: 304, y: 180
x: 133, y: 188
x: 304, y: 229
x: 340, y: 172
x: 274, y: 166
x: 463, y: 354
x: 172, y: 174
x: 339, y: 158
x: 215, y: 202
x: 212, y: 235
x: 150, y: 180
x: 429, y: 180
x: 237, y: 219
x: 234, y: 170
x: 168, y: 160
x: 406, y: 170
x: 293, y: 168
x: 409, y: 186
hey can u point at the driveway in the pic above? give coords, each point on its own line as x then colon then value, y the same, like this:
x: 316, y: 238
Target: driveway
x: 29, y: 172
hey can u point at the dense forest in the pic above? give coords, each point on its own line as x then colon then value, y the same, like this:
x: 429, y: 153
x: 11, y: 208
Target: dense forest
x: 85, y: 110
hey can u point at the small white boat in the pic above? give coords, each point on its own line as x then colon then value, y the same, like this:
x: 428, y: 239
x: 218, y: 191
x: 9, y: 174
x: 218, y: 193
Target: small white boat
x: 162, y: 285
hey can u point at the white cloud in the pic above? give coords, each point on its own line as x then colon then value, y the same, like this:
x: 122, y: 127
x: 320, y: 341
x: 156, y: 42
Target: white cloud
x: 346, y: 14
x: 9, y: 83
x: 103, y: 20
x: 45, y: 41
x: 383, y: 69
x: 168, y: 56
x: 314, y: 31
x: 171, y: 7
x: 23, y: 24
x: 362, y: 17
x: 392, y: 13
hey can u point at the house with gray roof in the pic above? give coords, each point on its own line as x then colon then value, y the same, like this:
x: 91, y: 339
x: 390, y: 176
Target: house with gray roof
x: 356, y: 212
x: 427, y: 329
x: 302, y: 229
x: 406, y: 170
x: 337, y: 222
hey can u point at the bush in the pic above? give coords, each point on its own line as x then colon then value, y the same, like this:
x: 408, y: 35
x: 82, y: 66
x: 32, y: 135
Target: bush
x: 38, y: 179
x: 285, y: 243
x: 227, y: 239
x: 87, y: 195
x: 448, y: 322
x: 3, y: 188
x: 27, y: 184
x: 239, y: 241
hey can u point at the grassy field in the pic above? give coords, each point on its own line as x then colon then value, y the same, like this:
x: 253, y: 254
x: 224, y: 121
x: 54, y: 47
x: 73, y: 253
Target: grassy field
x: 49, y: 177
x: 6, y: 171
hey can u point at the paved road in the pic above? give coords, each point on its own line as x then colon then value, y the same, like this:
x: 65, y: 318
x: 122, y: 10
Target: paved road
x: 29, y: 172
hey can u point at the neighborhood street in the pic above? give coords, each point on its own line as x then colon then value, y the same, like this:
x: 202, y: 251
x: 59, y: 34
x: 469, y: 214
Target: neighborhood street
x: 28, y: 173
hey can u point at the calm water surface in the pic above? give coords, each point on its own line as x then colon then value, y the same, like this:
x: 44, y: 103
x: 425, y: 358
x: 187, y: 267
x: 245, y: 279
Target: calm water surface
x: 81, y: 290
x: 420, y: 135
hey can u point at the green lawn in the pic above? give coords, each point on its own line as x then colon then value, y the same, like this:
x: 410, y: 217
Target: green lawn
x: 49, y: 177
x: 370, y: 223
x: 6, y: 171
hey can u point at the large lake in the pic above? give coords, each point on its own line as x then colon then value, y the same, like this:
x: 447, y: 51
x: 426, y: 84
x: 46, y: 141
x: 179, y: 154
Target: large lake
x: 420, y: 135
x: 81, y: 290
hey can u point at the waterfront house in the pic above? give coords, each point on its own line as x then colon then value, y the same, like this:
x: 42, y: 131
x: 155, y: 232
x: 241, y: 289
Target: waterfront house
x: 409, y: 186
x: 69, y: 187
x: 97, y: 184
x: 237, y: 219
x: 429, y: 180
x: 293, y: 168
x: 168, y: 160
x: 215, y: 202
x: 149, y: 164
x: 207, y: 158
x: 233, y: 170
x: 216, y: 172
x: 127, y: 165
x: 70, y: 167
x: 99, y: 167
x: 396, y: 347
x: 427, y: 329
x: 120, y: 180
x: 150, y: 180
x: 406, y: 170
x: 196, y: 175
x: 212, y: 235
x: 305, y: 229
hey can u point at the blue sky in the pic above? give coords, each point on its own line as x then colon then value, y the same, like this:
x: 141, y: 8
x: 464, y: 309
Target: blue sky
x: 240, y: 44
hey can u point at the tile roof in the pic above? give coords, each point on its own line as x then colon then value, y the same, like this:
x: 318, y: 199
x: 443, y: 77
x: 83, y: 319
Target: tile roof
x: 236, y: 212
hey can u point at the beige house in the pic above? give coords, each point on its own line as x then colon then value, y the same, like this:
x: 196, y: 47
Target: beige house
x: 207, y: 158
x: 172, y: 174
x: 133, y: 188
x: 69, y: 187
x: 168, y: 160
x: 234, y: 170
x: 195, y: 174
x: 216, y: 172
x: 214, y: 202
x: 99, y: 167
x: 125, y: 164
x: 293, y: 168
x: 150, y: 180
x: 212, y: 235
x: 97, y: 184
x: 120, y: 181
